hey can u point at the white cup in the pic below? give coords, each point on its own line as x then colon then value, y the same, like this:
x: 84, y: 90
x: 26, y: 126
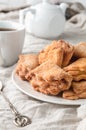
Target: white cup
x: 11, y: 42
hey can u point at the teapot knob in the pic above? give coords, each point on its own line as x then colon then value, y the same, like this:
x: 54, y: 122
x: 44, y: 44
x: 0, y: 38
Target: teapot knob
x: 63, y: 7
x: 45, y: 1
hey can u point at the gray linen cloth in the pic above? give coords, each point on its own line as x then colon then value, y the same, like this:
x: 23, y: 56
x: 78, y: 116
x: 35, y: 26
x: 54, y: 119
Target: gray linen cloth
x: 44, y: 116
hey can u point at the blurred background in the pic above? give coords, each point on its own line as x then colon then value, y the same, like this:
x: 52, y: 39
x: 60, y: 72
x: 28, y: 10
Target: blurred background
x: 18, y: 3
x: 75, y: 15
x: 9, y: 8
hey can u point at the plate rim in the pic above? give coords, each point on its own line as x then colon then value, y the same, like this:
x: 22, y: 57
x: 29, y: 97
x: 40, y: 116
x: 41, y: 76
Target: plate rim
x: 43, y: 100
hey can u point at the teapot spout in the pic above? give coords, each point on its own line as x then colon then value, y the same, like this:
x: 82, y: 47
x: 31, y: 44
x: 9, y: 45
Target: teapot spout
x: 63, y: 7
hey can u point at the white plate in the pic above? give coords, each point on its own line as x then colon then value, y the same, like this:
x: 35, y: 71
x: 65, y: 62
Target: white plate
x: 26, y: 88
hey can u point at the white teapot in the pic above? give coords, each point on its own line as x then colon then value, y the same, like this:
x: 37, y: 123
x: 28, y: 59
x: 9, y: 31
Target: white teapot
x: 44, y: 20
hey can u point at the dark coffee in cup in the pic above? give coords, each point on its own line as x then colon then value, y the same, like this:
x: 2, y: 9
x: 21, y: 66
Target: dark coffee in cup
x: 7, y: 29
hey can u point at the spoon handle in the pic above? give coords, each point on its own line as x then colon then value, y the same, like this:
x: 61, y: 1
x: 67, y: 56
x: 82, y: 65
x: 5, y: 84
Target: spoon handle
x: 13, y: 109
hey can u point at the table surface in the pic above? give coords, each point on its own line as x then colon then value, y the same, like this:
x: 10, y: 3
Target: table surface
x: 45, y: 116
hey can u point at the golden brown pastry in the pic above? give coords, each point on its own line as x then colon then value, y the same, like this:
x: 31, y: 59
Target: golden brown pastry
x: 77, y: 69
x: 80, y: 50
x: 78, y: 91
x: 60, y: 52
x: 79, y: 87
x: 56, y: 56
x: 82, y: 95
x: 49, y: 78
x: 69, y: 94
x: 26, y: 63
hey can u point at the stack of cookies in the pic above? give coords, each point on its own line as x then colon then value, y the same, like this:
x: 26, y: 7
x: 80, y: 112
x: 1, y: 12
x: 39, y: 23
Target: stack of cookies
x: 60, y: 68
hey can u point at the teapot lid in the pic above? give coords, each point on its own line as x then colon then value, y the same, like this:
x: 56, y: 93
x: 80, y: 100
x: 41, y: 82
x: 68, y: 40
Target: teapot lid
x: 46, y: 5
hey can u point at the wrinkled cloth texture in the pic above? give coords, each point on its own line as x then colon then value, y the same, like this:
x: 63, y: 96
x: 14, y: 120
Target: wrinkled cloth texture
x: 44, y: 116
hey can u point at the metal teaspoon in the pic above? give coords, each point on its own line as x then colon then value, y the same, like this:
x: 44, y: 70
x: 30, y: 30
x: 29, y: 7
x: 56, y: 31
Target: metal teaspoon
x: 19, y: 120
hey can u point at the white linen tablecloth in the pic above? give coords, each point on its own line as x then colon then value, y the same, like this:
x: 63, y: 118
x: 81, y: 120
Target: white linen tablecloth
x: 44, y: 116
